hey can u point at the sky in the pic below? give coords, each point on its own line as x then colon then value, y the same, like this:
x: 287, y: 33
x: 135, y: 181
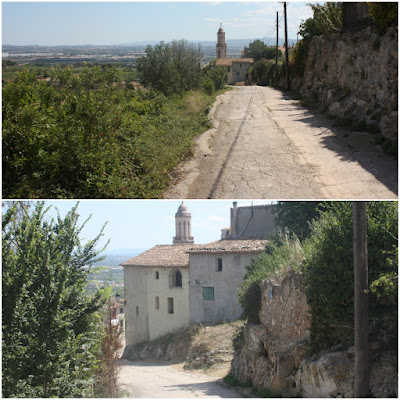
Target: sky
x: 108, y: 23
x: 142, y: 224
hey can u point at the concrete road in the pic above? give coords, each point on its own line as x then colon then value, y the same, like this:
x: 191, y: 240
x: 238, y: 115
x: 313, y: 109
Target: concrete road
x: 144, y: 379
x: 264, y: 145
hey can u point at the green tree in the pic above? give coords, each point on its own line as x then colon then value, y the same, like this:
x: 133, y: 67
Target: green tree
x: 327, y: 18
x: 297, y: 216
x: 328, y: 272
x: 384, y: 14
x: 171, y: 67
x: 259, y: 50
x: 49, y: 324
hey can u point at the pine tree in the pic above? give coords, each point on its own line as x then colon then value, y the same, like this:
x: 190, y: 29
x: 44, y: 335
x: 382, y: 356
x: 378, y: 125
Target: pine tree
x: 49, y: 324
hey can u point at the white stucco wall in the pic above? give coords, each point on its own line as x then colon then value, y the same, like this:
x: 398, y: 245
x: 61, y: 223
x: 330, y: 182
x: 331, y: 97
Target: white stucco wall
x: 237, y: 73
x: 203, y: 273
x: 136, y: 326
x: 160, y: 321
x: 141, y: 289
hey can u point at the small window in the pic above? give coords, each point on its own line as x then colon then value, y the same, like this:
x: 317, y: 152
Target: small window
x: 157, y: 275
x: 240, y: 65
x: 237, y: 73
x: 157, y: 303
x: 176, y: 278
x: 121, y: 310
x: 170, y: 305
x: 137, y: 311
x: 229, y: 69
x: 208, y: 293
x: 219, y: 264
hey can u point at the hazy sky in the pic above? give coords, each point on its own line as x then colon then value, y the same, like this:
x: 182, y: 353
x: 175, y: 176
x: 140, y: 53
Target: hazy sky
x: 76, y: 23
x: 145, y: 223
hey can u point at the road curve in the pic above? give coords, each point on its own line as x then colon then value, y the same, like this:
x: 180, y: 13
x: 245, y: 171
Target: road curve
x: 264, y: 145
x: 144, y: 379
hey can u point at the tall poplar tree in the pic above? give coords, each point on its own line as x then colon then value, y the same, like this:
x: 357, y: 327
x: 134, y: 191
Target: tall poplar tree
x: 49, y: 324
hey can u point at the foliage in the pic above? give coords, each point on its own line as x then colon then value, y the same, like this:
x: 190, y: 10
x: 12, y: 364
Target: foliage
x: 327, y: 18
x: 264, y: 72
x: 83, y: 134
x: 384, y: 14
x: 8, y: 63
x: 171, y: 67
x: 296, y: 216
x: 217, y: 74
x: 328, y: 272
x: 297, y: 57
x: 282, y: 254
x: 49, y: 325
x: 259, y: 50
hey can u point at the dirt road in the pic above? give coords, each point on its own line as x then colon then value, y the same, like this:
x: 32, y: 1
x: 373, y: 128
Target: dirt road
x: 265, y: 145
x: 144, y: 379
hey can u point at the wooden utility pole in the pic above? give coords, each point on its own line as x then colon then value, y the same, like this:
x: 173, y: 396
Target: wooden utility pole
x: 360, y: 255
x: 286, y: 49
x: 276, y: 56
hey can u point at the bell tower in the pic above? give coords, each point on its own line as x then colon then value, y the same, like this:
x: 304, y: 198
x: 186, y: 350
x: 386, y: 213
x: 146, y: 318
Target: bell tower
x: 221, y: 45
x: 183, y: 226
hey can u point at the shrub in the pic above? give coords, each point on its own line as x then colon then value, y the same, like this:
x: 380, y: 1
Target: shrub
x: 281, y: 255
x: 328, y: 272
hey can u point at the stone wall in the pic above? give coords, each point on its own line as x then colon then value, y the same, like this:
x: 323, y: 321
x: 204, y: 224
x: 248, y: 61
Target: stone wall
x: 274, y: 353
x: 355, y: 75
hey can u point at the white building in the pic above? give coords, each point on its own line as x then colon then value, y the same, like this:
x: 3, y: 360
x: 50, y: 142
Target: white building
x: 157, y: 286
x: 170, y: 286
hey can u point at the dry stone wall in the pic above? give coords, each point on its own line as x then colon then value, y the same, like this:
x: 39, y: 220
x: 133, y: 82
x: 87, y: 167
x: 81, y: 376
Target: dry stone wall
x: 355, y: 76
x: 274, y: 353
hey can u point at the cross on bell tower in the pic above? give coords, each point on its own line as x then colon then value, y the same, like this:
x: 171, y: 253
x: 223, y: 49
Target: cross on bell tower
x: 221, y: 45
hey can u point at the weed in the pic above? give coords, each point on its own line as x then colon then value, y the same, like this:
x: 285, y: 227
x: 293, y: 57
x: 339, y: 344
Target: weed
x: 268, y: 393
x: 230, y: 380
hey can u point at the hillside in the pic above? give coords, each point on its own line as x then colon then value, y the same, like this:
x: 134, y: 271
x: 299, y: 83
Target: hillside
x: 205, y: 347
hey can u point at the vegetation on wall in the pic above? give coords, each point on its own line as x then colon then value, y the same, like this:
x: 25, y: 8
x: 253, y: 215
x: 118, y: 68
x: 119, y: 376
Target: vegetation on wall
x: 384, y: 14
x: 325, y: 258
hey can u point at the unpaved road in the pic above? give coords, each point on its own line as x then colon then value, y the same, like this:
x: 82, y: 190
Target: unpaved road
x: 265, y: 145
x: 144, y: 379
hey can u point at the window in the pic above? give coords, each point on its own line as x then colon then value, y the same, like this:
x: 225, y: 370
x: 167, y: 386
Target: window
x: 157, y: 275
x: 208, y: 293
x: 121, y: 310
x: 176, y: 278
x: 137, y: 311
x: 237, y: 73
x: 170, y: 305
x: 219, y: 53
x: 240, y: 65
x: 219, y: 264
x: 157, y: 303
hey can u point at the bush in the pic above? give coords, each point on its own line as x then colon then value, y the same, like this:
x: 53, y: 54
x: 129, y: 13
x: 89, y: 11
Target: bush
x: 328, y: 272
x: 281, y: 255
x: 384, y: 14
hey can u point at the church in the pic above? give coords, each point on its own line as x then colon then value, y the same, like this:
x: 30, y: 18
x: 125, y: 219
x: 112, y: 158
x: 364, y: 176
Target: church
x: 171, y: 286
x: 236, y: 67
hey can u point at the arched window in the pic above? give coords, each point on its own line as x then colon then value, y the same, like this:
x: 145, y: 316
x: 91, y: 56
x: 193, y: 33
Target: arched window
x: 176, y: 278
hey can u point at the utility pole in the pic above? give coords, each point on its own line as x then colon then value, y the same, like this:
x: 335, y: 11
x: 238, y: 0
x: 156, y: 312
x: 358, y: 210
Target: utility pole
x: 276, y: 57
x: 360, y: 255
x: 286, y: 49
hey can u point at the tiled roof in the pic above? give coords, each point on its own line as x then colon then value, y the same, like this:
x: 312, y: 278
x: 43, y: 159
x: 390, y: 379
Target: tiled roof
x: 162, y: 256
x: 230, y: 246
x: 227, y: 62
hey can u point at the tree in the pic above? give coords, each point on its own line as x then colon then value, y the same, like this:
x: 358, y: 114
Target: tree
x: 329, y: 279
x: 259, y: 50
x: 49, y: 324
x: 327, y: 18
x: 296, y: 216
x: 171, y: 67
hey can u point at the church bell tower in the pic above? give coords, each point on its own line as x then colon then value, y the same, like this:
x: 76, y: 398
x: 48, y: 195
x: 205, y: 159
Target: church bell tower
x: 183, y: 226
x: 221, y: 45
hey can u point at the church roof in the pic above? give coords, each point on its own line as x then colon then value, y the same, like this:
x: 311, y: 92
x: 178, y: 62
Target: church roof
x: 230, y: 246
x: 227, y: 62
x: 164, y: 255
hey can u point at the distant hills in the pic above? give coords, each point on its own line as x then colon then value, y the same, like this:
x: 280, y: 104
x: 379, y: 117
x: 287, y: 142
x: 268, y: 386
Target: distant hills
x: 115, y: 257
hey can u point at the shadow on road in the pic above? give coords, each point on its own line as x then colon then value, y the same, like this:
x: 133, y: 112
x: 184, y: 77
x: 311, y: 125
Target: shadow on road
x: 351, y: 146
